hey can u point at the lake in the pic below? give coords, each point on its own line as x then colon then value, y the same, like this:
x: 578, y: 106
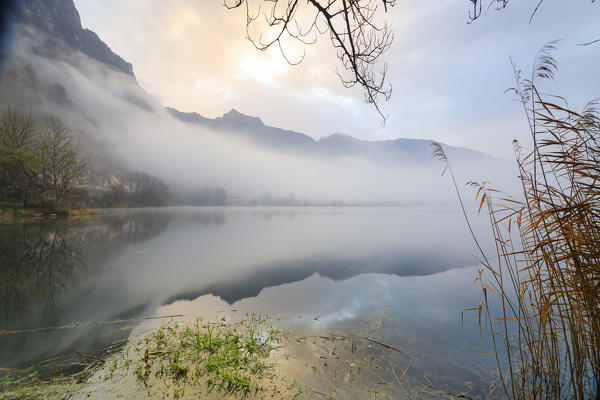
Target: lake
x: 400, y: 276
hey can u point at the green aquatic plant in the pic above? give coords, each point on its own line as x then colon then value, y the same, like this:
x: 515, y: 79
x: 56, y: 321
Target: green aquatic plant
x: 222, y: 355
x: 250, y: 358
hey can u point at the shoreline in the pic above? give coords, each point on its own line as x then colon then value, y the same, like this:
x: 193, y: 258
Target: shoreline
x: 251, y: 357
x: 11, y: 214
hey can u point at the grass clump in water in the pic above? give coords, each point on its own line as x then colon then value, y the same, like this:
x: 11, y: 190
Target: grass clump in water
x: 230, y: 357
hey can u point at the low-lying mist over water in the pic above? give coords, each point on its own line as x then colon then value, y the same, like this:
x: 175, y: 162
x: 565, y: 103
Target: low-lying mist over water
x: 123, y: 128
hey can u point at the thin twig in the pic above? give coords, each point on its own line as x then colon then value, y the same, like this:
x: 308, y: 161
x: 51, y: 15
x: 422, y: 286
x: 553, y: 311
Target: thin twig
x: 461, y: 395
x: 82, y: 355
x: 385, y: 345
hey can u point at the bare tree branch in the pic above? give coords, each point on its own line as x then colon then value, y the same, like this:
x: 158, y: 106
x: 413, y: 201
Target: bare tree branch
x: 354, y: 28
x: 499, y: 4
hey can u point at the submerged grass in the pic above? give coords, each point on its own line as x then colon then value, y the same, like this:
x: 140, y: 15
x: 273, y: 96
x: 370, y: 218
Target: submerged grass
x: 59, y: 378
x: 245, y: 358
x: 231, y: 357
x: 222, y: 359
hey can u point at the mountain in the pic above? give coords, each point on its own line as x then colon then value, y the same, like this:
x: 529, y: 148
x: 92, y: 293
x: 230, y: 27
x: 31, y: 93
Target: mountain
x: 251, y: 128
x: 50, y: 64
x: 59, y: 20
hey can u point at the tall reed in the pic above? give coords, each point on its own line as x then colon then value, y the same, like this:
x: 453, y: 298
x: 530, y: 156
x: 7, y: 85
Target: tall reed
x: 541, y: 289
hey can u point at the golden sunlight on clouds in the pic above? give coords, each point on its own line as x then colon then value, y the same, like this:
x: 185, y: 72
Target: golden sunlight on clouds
x: 225, y: 92
x: 265, y: 67
x: 194, y: 55
x: 182, y: 21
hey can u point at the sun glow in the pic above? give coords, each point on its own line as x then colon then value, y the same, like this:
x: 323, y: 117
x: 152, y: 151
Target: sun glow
x: 261, y: 67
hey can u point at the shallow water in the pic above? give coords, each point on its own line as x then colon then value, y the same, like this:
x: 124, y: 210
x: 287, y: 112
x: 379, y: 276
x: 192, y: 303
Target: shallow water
x: 400, y: 275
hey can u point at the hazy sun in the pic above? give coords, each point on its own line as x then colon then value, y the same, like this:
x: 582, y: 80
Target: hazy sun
x: 262, y: 67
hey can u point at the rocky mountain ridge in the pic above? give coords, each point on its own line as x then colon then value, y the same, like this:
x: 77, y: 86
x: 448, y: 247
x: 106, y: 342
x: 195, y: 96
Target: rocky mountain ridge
x: 59, y: 19
x: 337, y: 144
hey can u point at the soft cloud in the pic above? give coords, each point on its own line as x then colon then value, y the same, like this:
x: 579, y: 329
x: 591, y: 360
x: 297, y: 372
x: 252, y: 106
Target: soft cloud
x: 448, y: 77
x: 104, y: 105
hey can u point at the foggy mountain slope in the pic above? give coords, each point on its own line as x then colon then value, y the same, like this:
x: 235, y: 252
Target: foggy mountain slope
x: 59, y: 19
x: 46, y: 71
x: 251, y: 128
x: 39, y: 74
x: 44, y: 53
x: 401, y: 150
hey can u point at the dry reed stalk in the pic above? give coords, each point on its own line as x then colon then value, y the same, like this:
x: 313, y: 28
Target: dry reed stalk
x: 541, y: 295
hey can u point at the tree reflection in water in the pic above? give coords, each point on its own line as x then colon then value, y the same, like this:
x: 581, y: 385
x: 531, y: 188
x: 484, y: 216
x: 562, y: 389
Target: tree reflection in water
x: 40, y: 261
x: 46, y: 271
x: 37, y: 263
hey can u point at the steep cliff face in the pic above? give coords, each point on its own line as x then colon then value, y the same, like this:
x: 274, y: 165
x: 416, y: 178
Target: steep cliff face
x: 60, y: 19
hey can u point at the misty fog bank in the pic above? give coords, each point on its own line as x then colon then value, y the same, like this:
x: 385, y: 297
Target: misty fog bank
x: 124, y: 128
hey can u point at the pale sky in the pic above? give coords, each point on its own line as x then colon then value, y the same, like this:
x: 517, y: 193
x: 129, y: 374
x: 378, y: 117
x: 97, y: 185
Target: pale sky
x: 448, y: 77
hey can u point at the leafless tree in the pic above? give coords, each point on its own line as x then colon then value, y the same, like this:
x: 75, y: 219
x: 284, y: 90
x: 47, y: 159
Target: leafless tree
x: 355, y: 27
x: 61, y: 164
x: 478, y: 6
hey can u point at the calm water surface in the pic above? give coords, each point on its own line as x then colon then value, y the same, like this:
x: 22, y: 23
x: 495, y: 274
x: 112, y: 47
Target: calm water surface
x: 402, y: 274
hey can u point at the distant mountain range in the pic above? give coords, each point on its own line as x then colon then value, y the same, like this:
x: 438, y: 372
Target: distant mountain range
x: 59, y: 20
x: 399, y: 150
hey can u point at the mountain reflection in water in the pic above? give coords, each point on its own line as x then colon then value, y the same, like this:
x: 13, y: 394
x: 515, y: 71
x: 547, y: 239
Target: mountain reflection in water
x: 341, y: 264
